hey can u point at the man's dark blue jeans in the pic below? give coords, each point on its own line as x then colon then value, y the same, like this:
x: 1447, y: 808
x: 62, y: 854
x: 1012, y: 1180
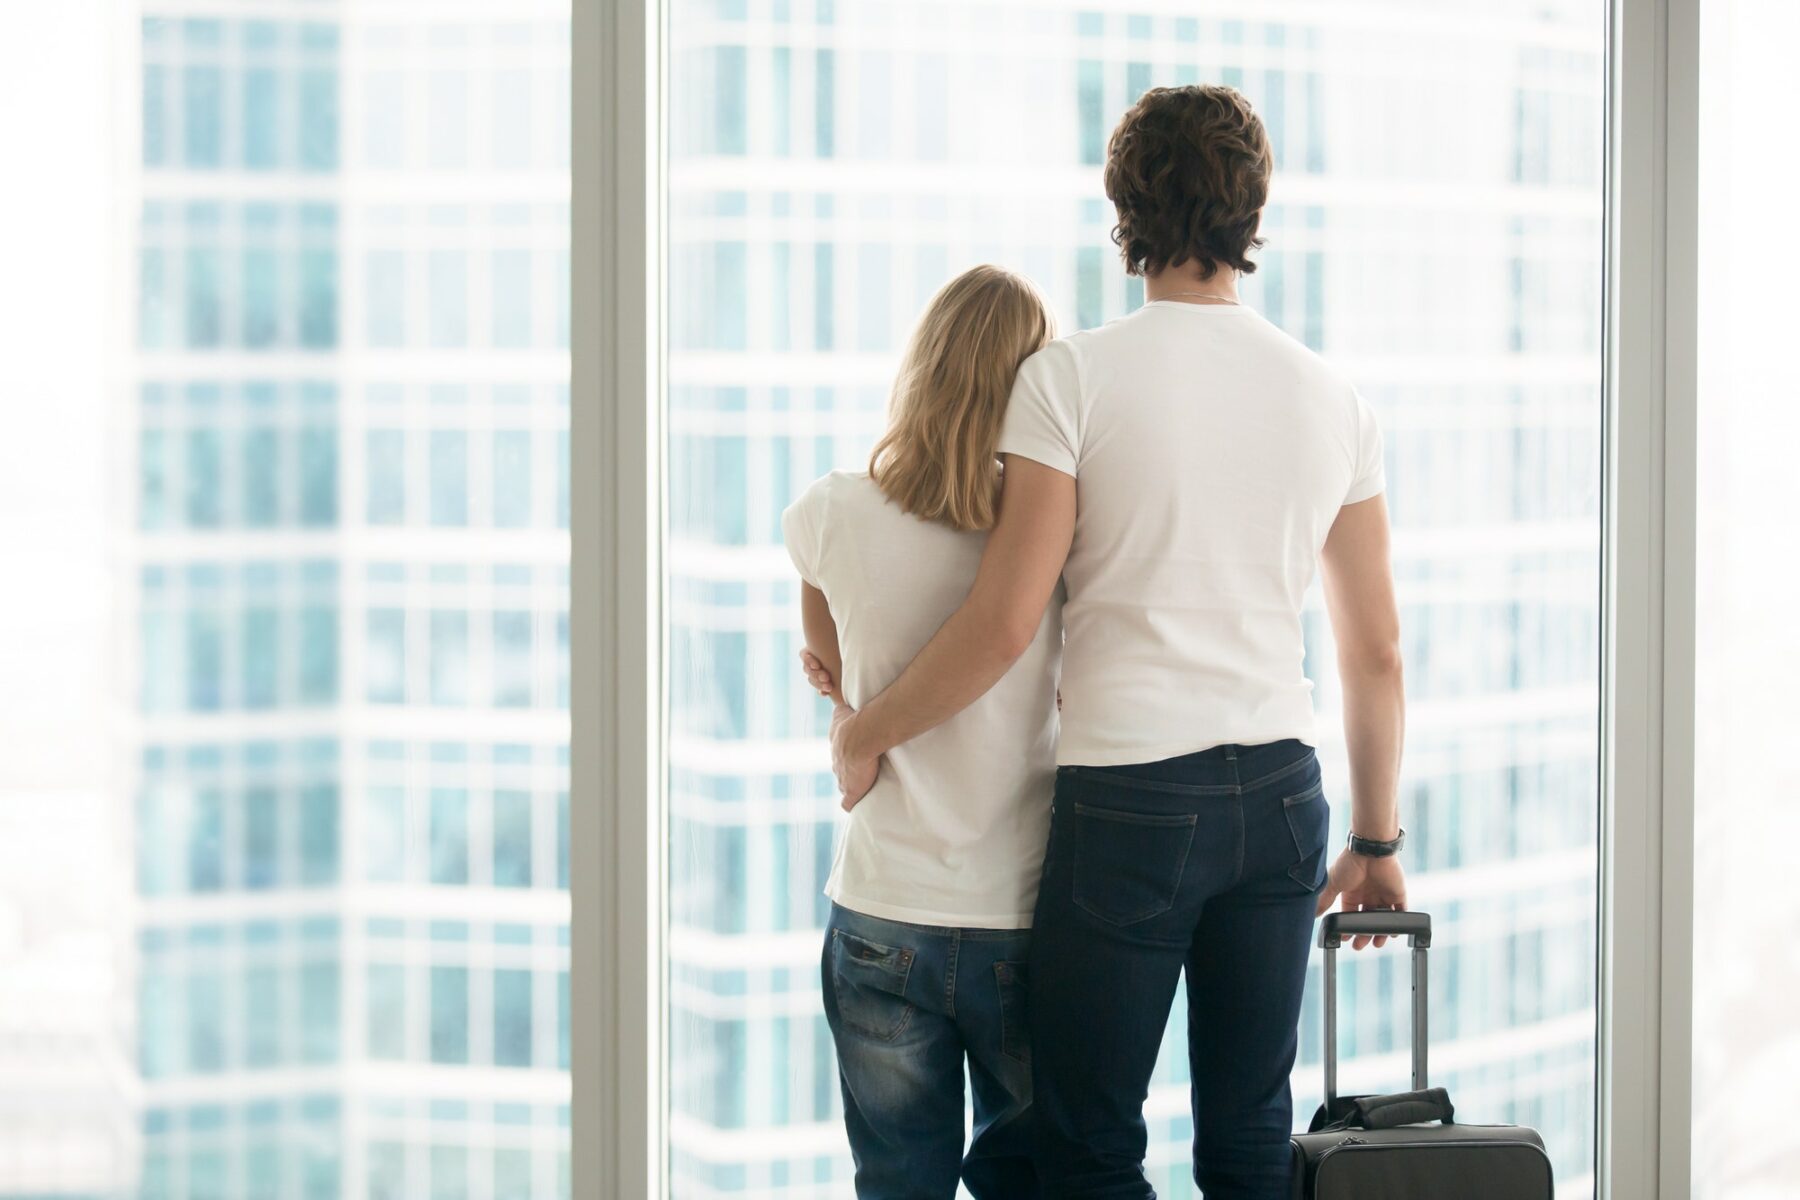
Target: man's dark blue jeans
x: 906, y: 1004
x: 1209, y: 863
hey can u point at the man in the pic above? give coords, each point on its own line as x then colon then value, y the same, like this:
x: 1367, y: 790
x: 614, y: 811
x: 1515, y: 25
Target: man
x: 1184, y: 469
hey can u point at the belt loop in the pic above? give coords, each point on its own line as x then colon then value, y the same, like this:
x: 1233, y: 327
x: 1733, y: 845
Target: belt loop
x: 1231, y: 754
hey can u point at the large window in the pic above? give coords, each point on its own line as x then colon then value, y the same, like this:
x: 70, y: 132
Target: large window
x: 1435, y: 229
x: 351, y: 411
x: 285, y: 510
x: 321, y: 944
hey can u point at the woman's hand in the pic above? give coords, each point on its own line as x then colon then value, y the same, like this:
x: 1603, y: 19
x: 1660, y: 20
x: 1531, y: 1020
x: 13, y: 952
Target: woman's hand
x: 1366, y: 884
x: 817, y: 676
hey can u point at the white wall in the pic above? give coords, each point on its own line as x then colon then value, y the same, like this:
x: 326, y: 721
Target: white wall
x: 55, y: 206
x: 65, y: 1121
x: 1747, y: 841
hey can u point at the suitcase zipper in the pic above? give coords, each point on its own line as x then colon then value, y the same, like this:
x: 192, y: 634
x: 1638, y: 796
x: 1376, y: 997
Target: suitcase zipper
x: 1363, y: 1144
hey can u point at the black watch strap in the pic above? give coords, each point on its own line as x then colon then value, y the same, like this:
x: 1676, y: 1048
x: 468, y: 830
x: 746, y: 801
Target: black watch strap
x: 1370, y: 848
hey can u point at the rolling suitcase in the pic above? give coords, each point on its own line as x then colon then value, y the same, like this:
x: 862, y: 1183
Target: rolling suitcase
x: 1406, y: 1146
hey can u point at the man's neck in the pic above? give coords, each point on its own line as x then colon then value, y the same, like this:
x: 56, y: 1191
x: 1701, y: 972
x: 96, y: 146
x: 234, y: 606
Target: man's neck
x: 1185, y: 285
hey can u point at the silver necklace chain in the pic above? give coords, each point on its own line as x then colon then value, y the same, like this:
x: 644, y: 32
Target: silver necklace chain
x: 1205, y: 295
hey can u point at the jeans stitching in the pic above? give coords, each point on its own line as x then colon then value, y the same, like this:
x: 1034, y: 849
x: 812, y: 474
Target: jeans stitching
x: 935, y: 931
x: 1287, y: 812
x: 1156, y: 785
x: 1192, y: 789
x: 1126, y: 817
x: 1299, y: 764
x: 950, y: 975
x: 1302, y: 797
x: 1156, y: 910
x: 837, y: 993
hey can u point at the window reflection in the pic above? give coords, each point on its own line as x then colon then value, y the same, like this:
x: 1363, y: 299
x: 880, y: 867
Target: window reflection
x: 354, y: 727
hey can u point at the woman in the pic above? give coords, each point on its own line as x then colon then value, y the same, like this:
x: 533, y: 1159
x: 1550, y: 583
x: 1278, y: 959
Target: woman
x: 936, y: 876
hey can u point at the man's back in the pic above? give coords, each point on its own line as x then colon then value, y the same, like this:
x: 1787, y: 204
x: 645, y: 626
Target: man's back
x: 1212, y: 454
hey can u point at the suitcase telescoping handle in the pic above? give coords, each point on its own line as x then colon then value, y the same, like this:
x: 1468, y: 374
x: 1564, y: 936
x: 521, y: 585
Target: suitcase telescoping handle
x: 1415, y: 927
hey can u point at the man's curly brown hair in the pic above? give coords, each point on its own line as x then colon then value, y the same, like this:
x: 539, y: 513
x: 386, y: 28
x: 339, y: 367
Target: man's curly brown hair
x: 1188, y: 172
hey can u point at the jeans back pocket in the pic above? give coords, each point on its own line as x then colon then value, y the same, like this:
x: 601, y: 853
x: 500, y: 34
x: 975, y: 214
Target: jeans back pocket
x: 1128, y: 865
x: 869, y: 982
x: 1309, y: 824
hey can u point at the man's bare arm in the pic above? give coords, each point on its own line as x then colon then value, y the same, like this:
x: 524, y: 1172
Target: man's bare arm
x: 983, y: 638
x: 1365, y: 621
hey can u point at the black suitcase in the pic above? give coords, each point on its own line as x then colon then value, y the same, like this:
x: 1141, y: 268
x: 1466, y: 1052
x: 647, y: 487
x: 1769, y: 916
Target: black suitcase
x: 1406, y: 1146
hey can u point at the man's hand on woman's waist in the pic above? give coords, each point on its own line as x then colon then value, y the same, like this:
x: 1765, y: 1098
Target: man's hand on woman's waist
x: 855, y: 774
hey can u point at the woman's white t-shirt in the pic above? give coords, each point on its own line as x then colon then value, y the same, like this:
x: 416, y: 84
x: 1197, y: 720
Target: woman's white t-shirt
x: 953, y: 832
x: 1211, y: 454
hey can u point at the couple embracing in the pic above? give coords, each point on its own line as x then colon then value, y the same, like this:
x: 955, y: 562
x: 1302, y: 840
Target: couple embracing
x: 1132, y: 513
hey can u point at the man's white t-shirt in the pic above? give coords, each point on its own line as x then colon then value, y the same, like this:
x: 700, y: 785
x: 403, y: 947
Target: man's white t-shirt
x: 1211, y: 454
x: 953, y: 832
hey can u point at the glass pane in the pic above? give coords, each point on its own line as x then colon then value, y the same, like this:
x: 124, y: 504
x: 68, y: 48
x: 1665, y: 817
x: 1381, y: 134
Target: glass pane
x: 1435, y: 231
x: 283, y: 906
x: 1747, y: 821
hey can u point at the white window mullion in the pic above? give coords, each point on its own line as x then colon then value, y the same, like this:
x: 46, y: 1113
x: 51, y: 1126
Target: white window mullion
x: 616, y: 809
x: 1646, y: 961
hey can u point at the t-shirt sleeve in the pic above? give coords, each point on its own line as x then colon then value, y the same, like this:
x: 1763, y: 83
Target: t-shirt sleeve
x: 1043, y: 421
x: 803, y: 529
x: 1370, y: 478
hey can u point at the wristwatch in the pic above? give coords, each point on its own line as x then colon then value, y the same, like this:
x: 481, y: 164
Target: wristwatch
x: 1370, y: 848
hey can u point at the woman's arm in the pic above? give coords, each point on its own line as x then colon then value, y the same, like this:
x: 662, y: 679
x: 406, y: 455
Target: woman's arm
x: 824, y: 660
x: 821, y: 639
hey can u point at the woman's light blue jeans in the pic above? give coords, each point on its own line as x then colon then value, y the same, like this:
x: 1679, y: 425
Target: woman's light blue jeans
x: 908, y: 1005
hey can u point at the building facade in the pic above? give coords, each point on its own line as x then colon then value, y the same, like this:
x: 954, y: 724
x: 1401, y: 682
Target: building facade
x: 348, y: 511
x: 1435, y: 230
x: 348, y: 570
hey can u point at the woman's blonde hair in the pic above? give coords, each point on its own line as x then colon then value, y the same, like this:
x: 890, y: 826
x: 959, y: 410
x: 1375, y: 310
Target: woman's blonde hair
x: 936, y: 460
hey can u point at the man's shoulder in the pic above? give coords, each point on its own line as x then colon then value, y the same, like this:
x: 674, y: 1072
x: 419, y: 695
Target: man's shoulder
x: 1301, y: 358
x: 1053, y: 371
x: 1099, y: 338
x: 1119, y: 340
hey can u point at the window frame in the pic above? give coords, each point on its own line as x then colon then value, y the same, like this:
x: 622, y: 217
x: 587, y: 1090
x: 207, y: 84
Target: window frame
x: 618, y: 643
x: 616, y: 812
x: 1645, y: 1010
